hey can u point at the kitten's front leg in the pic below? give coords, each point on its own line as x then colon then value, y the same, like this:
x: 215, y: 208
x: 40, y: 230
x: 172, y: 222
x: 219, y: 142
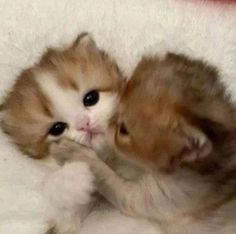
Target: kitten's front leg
x: 128, y: 196
x: 131, y: 197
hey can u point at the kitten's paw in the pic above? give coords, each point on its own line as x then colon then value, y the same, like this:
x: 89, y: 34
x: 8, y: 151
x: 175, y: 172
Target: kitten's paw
x: 67, y: 224
x: 64, y: 226
x: 70, y: 187
x: 67, y: 151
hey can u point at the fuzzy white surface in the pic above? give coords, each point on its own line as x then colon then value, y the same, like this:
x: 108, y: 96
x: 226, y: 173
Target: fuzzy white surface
x: 126, y: 30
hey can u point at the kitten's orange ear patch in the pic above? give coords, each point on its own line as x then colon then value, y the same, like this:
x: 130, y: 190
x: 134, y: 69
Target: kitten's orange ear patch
x: 85, y: 42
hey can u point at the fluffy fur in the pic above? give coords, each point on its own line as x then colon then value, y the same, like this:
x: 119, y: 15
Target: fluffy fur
x: 175, y: 123
x: 68, y: 191
x: 52, y: 92
x: 28, y: 27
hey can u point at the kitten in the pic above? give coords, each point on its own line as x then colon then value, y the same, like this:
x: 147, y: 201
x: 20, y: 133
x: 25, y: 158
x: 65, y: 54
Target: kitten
x: 69, y: 94
x: 176, y: 123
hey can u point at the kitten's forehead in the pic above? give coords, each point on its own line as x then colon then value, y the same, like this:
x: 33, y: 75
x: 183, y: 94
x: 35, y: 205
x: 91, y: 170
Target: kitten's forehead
x: 147, y: 103
x: 64, y: 101
x: 74, y: 70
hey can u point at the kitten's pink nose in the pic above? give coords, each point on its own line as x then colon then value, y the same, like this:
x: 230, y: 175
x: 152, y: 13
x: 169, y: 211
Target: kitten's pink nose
x: 83, y: 123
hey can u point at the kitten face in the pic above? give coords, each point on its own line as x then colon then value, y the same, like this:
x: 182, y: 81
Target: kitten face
x: 163, y: 109
x: 70, y: 93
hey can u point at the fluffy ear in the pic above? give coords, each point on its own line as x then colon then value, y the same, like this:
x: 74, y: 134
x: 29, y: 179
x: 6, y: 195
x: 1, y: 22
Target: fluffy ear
x: 196, y: 146
x: 85, y: 42
x: 203, y: 130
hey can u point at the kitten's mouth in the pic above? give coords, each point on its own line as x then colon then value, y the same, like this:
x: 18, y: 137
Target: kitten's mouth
x: 91, y: 134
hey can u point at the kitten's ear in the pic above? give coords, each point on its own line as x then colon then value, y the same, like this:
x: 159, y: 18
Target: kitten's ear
x: 84, y: 42
x: 196, y: 146
x: 205, y: 129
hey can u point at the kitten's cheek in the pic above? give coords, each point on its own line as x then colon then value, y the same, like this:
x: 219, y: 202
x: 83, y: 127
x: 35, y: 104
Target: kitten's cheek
x: 110, y: 136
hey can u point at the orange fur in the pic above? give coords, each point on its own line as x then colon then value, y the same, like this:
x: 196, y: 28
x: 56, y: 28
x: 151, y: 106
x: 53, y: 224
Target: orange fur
x: 164, y: 108
x: 28, y: 110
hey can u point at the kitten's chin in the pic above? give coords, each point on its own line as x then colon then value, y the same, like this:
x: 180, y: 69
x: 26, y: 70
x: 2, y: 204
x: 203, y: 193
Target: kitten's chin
x: 98, y: 142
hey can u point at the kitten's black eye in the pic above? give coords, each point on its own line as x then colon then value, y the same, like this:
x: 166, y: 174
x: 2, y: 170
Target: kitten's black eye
x: 57, y: 128
x: 91, y: 98
x: 123, y: 130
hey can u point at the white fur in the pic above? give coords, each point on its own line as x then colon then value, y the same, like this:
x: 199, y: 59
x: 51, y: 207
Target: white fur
x: 69, y: 191
x: 65, y: 102
x: 68, y: 106
x: 70, y: 186
x: 126, y: 29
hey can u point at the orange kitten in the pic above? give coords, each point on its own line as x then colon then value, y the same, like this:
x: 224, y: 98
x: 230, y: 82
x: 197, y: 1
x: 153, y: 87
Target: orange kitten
x: 177, y: 124
x: 184, y: 110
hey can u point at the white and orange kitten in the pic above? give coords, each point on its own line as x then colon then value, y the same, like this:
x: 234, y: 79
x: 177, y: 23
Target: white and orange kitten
x: 69, y: 94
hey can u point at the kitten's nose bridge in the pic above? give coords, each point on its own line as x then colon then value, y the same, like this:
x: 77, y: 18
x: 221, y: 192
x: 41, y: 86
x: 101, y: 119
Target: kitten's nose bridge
x: 83, y: 123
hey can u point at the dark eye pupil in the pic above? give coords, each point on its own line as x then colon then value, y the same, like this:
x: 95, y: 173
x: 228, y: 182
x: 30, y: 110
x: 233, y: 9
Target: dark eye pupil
x: 123, y: 129
x: 91, y: 98
x: 57, y: 128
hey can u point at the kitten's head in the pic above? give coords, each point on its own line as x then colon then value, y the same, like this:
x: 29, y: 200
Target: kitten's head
x: 172, y: 111
x: 69, y: 93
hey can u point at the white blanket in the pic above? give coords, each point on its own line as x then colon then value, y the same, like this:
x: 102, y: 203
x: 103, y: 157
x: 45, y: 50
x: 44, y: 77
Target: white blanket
x: 126, y: 30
